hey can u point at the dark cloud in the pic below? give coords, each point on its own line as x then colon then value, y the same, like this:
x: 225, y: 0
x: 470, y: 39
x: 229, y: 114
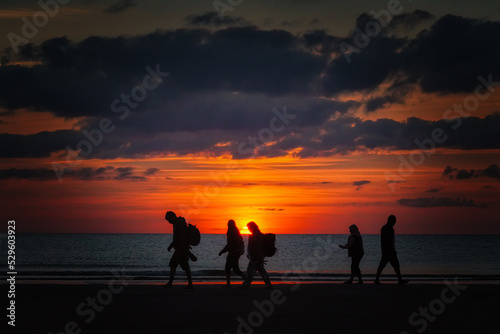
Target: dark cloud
x: 126, y: 173
x: 439, y: 202
x: 39, y: 174
x: 433, y: 190
x: 26, y: 52
x: 348, y: 134
x: 464, y: 175
x: 37, y: 145
x: 395, y: 181
x: 321, y: 42
x: 491, y: 171
x: 223, y: 85
x: 44, y: 174
x: 409, y: 21
x: 450, y: 56
x: 310, y: 134
x: 214, y: 19
x: 226, y: 111
x: 394, y: 95
x: 151, y: 171
x: 428, y: 61
x: 89, y: 173
x: 360, y: 184
x: 398, y: 24
x: 270, y: 209
x: 84, y: 78
x: 374, y: 59
x: 374, y: 64
x: 250, y: 60
x: 84, y: 174
x: 120, y: 6
x: 448, y: 171
x: 380, y: 102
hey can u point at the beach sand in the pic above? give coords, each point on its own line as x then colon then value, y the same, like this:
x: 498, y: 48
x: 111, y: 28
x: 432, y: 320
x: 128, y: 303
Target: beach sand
x: 287, y: 308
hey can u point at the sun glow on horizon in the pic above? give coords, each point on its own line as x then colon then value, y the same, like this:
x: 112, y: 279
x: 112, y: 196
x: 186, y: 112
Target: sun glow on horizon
x: 245, y: 231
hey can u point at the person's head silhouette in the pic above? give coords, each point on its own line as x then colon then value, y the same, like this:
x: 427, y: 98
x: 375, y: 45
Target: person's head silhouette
x: 252, y: 227
x: 231, y: 223
x: 391, y: 220
x: 353, y: 229
x: 170, y: 216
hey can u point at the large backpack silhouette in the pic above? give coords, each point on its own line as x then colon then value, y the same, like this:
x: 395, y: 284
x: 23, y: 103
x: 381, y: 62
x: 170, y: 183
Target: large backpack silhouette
x: 194, y: 235
x: 269, y: 244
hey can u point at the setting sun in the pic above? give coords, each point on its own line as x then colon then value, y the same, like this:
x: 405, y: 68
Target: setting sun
x: 244, y: 230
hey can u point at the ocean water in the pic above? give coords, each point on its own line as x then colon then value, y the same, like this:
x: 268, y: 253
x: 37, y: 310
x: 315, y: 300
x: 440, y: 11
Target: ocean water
x: 145, y: 256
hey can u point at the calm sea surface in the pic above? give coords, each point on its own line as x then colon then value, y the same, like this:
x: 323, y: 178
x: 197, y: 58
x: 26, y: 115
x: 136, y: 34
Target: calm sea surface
x: 145, y: 256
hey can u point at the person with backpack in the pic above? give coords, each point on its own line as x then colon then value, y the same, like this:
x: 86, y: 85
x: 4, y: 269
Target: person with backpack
x: 181, y: 245
x: 235, y: 248
x: 355, y: 251
x: 256, y: 254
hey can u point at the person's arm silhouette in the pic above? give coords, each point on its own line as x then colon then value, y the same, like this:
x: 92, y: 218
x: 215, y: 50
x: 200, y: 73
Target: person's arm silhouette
x: 223, y: 250
x: 349, y: 243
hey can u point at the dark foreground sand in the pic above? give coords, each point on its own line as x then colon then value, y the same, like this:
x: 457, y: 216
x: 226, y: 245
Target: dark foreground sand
x: 288, y: 308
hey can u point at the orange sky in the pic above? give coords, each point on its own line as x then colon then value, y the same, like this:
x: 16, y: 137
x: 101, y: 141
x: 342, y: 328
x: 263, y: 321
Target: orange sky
x: 283, y: 195
x: 225, y: 81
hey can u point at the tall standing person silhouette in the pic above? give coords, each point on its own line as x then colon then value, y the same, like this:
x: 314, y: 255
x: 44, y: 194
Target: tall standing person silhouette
x: 235, y: 248
x: 355, y: 251
x: 256, y: 256
x: 180, y: 243
x: 389, y: 254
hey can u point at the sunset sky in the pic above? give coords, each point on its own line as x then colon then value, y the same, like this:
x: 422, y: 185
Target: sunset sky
x: 303, y: 116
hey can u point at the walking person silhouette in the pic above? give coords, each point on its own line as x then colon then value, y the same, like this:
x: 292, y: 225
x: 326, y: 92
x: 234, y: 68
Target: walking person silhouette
x: 181, y: 245
x: 389, y: 254
x: 235, y: 248
x: 355, y: 251
x: 256, y: 256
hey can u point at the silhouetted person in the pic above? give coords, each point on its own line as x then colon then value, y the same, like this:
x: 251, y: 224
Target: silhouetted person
x: 256, y: 256
x: 180, y: 243
x: 235, y: 248
x: 355, y: 251
x: 389, y: 254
